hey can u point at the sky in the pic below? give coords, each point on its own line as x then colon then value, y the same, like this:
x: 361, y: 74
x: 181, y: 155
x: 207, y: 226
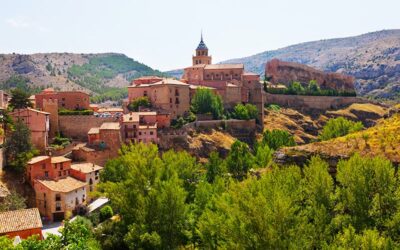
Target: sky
x: 164, y: 33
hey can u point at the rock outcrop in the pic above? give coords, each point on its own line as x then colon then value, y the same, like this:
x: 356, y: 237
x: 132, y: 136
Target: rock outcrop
x: 287, y: 72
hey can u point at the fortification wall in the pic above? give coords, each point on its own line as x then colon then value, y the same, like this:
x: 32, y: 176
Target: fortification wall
x: 77, y: 126
x: 301, y: 102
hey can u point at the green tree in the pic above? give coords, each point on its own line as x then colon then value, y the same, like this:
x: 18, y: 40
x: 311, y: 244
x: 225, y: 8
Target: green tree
x: 257, y: 214
x: 263, y: 156
x: 6, y: 243
x: 276, y: 139
x: 367, y: 192
x: 295, y: 88
x: 205, y: 101
x: 19, y: 99
x: 18, y: 147
x: 215, y: 167
x: 139, y: 102
x: 318, y: 187
x: 245, y: 112
x: 313, y: 87
x: 150, y: 193
x: 106, y: 212
x: 240, y: 160
x: 337, y: 127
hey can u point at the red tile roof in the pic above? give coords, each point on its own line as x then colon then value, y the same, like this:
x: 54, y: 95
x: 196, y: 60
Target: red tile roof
x: 18, y: 220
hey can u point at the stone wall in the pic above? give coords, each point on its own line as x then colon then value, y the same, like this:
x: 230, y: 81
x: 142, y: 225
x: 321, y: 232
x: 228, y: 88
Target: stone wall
x: 301, y: 102
x: 288, y: 72
x: 77, y: 126
x: 242, y: 129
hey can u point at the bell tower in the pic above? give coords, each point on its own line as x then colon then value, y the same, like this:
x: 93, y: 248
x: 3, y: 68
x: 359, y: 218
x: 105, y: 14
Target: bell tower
x: 201, y: 56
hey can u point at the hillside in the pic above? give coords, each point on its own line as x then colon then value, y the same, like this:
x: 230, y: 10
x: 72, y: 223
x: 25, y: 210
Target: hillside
x: 92, y: 73
x: 373, y: 59
x: 379, y: 140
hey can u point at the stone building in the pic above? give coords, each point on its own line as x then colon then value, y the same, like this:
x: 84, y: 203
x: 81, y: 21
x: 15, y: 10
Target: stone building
x: 38, y: 123
x: 167, y: 94
x: 230, y: 81
x: 71, y: 100
x: 139, y: 127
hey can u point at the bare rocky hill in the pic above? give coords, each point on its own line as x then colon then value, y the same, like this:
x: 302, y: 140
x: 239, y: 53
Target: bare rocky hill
x: 373, y: 59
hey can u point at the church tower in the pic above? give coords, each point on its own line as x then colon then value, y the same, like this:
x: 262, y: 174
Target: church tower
x: 201, y: 56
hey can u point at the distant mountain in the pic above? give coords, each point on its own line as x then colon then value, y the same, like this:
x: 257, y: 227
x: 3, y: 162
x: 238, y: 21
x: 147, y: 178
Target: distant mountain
x: 373, y: 59
x: 92, y: 73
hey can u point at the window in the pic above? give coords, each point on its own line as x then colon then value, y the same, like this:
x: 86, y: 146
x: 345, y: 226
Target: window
x: 170, y: 100
x: 61, y: 166
x: 58, y: 206
x: 59, y: 173
x: 176, y: 92
x: 63, y: 99
x: 58, y: 197
x: 145, y: 93
x: 151, y: 133
x: 46, y: 174
x: 140, y: 133
x: 176, y: 100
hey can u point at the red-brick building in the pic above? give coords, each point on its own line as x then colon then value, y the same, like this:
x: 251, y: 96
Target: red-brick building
x: 72, y: 100
x: 38, y: 123
x: 46, y: 167
x: 23, y: 223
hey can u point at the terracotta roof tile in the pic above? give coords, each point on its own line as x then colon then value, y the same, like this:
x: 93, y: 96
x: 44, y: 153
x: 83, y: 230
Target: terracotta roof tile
x: 19, y: 220
x: 59, y: 159
x: 86, y: 167
x: 224, y: 66
x: 64, y: 185
x: 38, y: 159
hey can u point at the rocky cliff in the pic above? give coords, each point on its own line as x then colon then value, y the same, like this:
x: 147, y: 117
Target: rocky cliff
x: 373, y: 59
x: 287, y: 72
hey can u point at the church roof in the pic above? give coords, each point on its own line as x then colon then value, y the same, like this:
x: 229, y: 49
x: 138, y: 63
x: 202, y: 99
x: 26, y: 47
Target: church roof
x: 202, y: 45
x: 224, y: 66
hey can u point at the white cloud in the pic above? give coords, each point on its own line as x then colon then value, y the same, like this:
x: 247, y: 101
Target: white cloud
x: 24, y: 23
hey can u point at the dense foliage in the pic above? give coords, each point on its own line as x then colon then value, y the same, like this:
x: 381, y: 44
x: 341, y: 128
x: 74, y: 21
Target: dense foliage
x: 19, y: 99
x: 276, y: 139
x: 245, y: 112
x: 205, y: 101
x: 22, y: 83
x: 312, y: 89
x: 171, y: 201
x: 140, y: 102
x: 340, y: 126
x: 12, y: 201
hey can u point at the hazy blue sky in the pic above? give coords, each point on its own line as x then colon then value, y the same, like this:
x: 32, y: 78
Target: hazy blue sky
x: 164, y: 34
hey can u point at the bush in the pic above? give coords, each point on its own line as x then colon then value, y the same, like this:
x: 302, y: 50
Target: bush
x: 276, y: 139
x: 339, y: 127
x: 245, y: 112
x: 312, y: 89
x: 75, y: 112
x: 106, y: 212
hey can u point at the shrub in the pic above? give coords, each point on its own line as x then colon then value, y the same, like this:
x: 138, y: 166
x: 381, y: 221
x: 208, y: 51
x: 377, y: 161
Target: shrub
x: 75, y: 112
x: 106, y: 212
x: 278, y: 138
x: 245, y: 112
x: 339, y: 127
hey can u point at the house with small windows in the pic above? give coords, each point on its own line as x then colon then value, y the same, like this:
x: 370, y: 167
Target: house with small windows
x: 140, y: 127
x: 87, y: 172
x: 166, y: 94
x: 60, y: 186
x: 56, y: 197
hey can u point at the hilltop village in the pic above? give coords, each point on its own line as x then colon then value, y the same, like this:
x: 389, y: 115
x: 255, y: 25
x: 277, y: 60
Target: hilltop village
x: 75, y: 137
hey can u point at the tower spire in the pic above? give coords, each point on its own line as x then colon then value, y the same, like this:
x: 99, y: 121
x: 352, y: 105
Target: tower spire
x: 201, y: 32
